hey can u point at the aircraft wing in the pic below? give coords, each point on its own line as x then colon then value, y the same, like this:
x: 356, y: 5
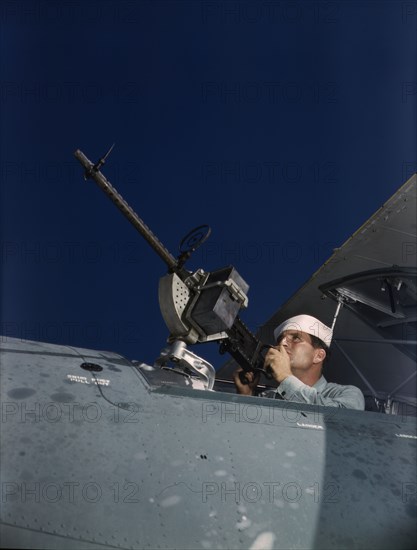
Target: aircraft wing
x: 373, y: 274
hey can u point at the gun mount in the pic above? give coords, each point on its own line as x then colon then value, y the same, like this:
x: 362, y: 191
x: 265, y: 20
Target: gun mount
x: 197, y: 307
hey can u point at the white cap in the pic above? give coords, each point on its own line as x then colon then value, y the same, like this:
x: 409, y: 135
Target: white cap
x: 308, y: 324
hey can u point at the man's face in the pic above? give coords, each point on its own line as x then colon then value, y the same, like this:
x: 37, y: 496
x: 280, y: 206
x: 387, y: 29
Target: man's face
x: 300, y: 349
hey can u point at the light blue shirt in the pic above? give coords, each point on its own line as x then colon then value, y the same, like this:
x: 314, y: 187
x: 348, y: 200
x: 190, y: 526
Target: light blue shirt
x: 322, y: 393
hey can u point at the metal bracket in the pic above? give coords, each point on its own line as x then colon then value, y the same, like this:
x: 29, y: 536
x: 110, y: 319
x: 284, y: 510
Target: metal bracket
x: 339, y: 306
x: 178, y: 353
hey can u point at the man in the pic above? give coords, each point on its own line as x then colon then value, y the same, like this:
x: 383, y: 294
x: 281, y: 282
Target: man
x: 296, y: 363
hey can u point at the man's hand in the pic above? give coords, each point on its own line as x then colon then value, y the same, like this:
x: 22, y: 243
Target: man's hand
x: 277, y: 361
x: 252, y: 378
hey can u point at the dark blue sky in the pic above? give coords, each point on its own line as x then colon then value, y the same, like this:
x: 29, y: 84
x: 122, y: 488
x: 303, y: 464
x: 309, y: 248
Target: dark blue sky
x: 284, y: 125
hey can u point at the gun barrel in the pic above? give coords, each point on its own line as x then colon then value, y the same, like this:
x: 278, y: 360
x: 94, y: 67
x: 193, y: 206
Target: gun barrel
x: 92, y: 172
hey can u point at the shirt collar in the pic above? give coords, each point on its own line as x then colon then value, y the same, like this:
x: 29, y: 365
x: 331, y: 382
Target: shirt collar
x: 320, y: 384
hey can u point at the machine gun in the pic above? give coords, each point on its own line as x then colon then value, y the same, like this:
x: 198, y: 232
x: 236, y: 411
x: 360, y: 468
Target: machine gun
x: 197, y: 307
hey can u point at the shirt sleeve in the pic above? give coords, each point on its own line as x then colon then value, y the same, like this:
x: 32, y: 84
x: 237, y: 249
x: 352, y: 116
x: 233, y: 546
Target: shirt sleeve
x: 348, y: 397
